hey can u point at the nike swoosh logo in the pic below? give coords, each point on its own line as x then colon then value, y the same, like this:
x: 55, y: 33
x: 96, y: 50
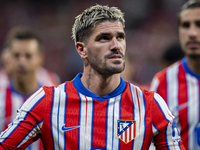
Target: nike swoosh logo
x: 69, y: 128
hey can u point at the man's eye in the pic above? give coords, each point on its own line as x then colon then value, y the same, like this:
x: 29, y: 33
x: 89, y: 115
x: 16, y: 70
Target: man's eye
x: 197, y: 23
x: 28, y: 56
x: 104, y: 38
x: 16, y: 55
x: 185, y: 24
x: 121, y: 37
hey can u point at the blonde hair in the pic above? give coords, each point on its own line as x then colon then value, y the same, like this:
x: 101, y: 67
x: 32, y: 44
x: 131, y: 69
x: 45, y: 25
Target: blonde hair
x: 84, y: 23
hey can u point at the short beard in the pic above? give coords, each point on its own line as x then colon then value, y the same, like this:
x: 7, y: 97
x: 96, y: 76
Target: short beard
x: 102, y: 68
x: 107, y: 70
x: 194, y: 56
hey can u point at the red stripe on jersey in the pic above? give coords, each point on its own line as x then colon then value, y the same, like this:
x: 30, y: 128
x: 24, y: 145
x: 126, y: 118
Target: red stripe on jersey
x: 72, y: 116
x: 149, y: 106
x: 162, y: 88
x: 182, y: 97
x: 46, y: 132
x: 99, y: 123
x: 126, y: 110
x: 8, y: 107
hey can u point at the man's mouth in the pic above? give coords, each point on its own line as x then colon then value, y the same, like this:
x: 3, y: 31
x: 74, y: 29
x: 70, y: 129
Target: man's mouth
x: 115, y: 56
x: 193, y: 44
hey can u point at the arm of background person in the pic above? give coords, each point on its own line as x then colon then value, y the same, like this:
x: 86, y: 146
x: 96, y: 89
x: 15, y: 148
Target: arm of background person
x: 26, y: 127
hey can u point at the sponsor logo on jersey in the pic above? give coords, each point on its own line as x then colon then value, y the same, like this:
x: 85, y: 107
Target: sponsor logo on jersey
x: 126, y: 130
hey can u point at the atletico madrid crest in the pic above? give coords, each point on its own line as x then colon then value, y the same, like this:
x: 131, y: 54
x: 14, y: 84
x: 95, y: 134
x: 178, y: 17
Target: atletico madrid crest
x: 126, y: 130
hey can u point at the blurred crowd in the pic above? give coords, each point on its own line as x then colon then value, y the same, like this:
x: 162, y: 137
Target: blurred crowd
x: 151, y: 27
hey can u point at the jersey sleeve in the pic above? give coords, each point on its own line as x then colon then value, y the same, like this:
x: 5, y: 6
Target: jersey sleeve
x: 26, y: 127
x: 165, y: 129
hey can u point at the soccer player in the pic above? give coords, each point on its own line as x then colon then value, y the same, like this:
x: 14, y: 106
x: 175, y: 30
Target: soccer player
x: 179, y: 84
x: 97, y: 110
x: 22, y: 57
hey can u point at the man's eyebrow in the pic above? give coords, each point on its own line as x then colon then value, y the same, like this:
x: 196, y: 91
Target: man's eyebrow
x: 103, y: 34
x: 107, y: 34
x: 122, y: 33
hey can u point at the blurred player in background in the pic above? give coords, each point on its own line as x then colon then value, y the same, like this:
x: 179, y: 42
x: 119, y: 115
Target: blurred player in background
x: 23, y: 74
x: 179, y: 84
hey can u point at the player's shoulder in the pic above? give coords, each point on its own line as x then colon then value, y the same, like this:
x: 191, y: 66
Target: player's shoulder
x: 61, y: 87
x: 144, y: 89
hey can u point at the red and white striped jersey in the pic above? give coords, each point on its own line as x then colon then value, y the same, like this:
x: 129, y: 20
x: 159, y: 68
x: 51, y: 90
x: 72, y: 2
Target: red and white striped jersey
x: 180, y: 87
x: 69, y: 117
x: 10, y: 101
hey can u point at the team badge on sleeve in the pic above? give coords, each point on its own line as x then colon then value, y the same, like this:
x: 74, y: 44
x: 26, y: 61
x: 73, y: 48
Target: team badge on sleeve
x: 126, y: 130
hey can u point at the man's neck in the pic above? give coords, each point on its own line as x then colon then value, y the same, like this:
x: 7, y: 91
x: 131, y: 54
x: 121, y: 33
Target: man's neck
x: 26, y: 86
x: 100, y: 85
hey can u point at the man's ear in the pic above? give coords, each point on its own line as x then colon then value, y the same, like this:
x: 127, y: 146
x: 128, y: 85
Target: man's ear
x: 81, y: 49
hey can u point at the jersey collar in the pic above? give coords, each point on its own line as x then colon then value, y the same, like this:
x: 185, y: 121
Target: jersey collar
x: 80, y: 87
x: 187, y: 69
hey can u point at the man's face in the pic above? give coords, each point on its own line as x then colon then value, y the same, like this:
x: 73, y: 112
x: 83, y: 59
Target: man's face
x: 26, y: 57
x: 189, y: 32
x: 106, y: 48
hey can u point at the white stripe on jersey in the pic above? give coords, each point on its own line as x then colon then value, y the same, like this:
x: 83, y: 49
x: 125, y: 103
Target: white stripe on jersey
x: 116, y: 114
x: 86, y: 122
x: 62, y: 115
x: 139, y: 112
x: 82, y: 129
x: 172, y: 94
x: 58, y: 115
x: 193, y: 107
x: 89, y: 124
x: 113, y: 114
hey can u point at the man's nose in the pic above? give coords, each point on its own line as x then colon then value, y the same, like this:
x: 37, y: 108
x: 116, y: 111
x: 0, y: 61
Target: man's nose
x: 22, y: 59
x: 193, y: 31
x: 115, y: 44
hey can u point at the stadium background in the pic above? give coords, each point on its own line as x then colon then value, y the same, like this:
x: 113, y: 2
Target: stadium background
x: 151, y: 26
